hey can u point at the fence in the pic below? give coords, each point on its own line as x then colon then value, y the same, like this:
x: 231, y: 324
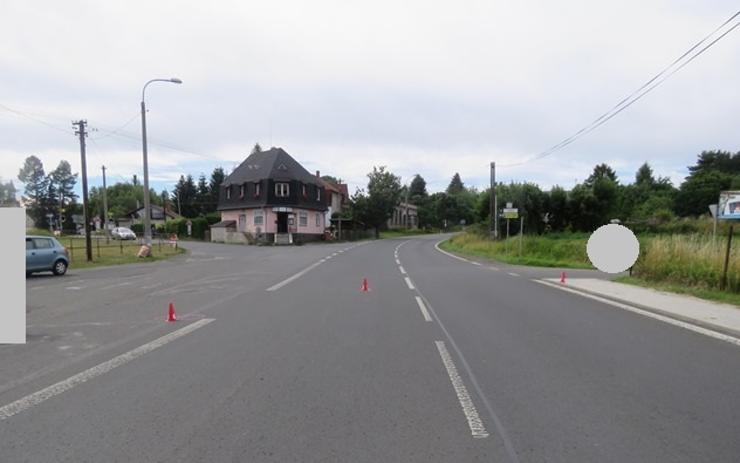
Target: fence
x: 77, y: 244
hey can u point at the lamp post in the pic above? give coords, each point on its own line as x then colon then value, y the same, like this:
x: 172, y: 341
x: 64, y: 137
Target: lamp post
x: 147, y: 208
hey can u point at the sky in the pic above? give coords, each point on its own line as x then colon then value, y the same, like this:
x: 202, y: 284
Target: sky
x: 423, y: 87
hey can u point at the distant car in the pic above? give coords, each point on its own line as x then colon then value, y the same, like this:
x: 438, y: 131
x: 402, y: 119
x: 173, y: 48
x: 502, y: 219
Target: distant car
x: 44, y: 254
x: 122, y: 233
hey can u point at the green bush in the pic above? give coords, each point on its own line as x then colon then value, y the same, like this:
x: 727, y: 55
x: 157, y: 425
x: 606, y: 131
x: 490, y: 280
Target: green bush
x: 180, y: 226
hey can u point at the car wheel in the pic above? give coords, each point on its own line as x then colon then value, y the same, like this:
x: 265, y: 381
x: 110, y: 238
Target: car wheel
x: 60, y: 267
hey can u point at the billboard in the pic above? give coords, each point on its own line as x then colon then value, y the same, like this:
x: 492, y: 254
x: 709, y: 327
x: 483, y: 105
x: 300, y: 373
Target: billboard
x: 729, y: 205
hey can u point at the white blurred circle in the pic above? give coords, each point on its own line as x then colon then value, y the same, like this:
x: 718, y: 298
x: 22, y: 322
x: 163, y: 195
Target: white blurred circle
x: 612, y: 248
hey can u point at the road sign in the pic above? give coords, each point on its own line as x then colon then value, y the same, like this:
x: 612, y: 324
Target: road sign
x: 729, y: 205
x: 509, y: 205
x: 511, y: 213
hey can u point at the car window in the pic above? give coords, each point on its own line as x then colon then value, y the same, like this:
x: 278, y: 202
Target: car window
x: 42, y: 243
x: 29, y: 243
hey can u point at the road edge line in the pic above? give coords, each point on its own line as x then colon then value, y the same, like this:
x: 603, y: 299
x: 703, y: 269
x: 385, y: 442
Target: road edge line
x: 687, y: 323
x: 60, y: 387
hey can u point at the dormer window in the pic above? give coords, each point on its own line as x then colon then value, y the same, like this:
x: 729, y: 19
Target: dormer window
x: 282, y: 190
x: 304, y: 191
x: 241, y: 191
x: 257, y: 190
x: 318, y: 194
x: 228, y: 192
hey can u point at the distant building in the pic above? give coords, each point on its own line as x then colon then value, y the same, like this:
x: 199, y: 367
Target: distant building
x: 405, y: 215
x: 137, y: 216
x: 270, y: 197
x: 337, y: 197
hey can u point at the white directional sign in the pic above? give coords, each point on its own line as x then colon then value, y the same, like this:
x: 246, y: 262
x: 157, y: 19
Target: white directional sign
x: 511, y: 213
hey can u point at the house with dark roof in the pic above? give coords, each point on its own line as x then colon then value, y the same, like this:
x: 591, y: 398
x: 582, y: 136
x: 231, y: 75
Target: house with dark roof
x: 270, y: 197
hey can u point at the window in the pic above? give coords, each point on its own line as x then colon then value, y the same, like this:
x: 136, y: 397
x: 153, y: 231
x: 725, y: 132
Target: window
x: 42, y: 243
x: 257, y: 190
x: 282, y: 190
x: 258, y: 218
x: 303, y: 219
x: 318, y: 194
x: 304, y: 191
x: 318, y: 219
x: 29, y: 243
x: 228, y: 192
x: 241, y: 191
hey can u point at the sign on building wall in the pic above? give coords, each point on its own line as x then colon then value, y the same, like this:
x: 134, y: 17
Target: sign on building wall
x: 729, y: 205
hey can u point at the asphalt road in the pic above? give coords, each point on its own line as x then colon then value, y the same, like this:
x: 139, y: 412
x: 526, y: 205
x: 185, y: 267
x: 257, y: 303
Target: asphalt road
x: 279, y: 356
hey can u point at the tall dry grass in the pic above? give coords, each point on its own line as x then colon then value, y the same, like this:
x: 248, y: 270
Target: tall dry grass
x: 691, y: 260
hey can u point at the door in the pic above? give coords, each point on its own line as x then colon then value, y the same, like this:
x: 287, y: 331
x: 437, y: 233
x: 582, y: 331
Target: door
x: 282, y: 222
x: 39, y: 253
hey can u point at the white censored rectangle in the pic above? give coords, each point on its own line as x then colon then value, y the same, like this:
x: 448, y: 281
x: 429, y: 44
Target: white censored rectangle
x: 13, y: 275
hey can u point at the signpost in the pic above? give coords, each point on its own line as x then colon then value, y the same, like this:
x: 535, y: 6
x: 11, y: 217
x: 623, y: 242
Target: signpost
x: 728, y: 208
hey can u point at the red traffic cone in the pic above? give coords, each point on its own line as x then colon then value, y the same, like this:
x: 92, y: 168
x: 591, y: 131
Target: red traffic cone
x: 171, y: 315
x: 365, y: 287
x: 562, y: 277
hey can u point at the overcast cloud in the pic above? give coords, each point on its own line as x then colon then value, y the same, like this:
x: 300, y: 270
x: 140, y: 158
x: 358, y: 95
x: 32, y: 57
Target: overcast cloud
x: 422, y: 87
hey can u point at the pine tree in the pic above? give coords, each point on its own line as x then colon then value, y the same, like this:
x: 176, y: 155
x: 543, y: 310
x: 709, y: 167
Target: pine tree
x: 36, y: 189
x: 456, y: 185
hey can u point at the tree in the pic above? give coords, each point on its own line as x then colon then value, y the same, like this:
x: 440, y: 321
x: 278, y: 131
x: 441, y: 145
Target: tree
x: 601, y: 171
x: 36, y: 189
x: 63, y: 182
x: 456, y: 185
x: 557, y: 209
x: 330, y: 179
x: 184, y: 195
x: 644, y: 176
x: 418, y: 190
x: 383, y: 194
x: 7, y: 195
x: 214, y: 186
x: 203, y: 196
x: 713, y: 172
x: 257, y: 149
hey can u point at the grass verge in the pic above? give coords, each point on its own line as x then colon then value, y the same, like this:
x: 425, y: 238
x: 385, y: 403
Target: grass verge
x: 557, y: 250
x: 114, y: 252
x: 702, y: 293
x: 388, y: 234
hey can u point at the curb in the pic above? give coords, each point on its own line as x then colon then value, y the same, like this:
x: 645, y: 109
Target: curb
x: 689, y: 320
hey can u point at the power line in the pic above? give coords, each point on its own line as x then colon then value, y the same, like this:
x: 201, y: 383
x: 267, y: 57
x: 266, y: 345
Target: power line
x: 35, y: 119
x: 636, y: 95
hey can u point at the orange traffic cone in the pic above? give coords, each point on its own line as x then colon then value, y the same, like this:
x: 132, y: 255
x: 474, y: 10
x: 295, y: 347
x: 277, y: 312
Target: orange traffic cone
x: 562, y: 277
x: 365, y: 287
x: 171, y: 315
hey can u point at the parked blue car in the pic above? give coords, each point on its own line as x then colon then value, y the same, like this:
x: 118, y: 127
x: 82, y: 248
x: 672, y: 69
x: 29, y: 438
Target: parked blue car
x: 44, y: 254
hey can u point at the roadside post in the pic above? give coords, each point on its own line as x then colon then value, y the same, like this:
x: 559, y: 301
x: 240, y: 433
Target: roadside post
x: 728, y: 208
x: 713, y: 211
x: 189, y: 224
x: 510, y: 212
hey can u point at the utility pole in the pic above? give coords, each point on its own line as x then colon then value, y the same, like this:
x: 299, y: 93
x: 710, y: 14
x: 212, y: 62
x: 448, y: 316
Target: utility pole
x: 82, y: 133
x: 493, y: 203
x: 105, y: 207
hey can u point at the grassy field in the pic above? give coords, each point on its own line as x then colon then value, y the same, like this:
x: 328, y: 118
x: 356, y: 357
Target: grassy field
x: 113, y: 252
x: 386, y: 234
x: 690, y: 264
x: 555, y: 250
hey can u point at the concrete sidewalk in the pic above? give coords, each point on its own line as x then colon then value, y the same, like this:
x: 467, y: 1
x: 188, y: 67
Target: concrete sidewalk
x: 724, y: 318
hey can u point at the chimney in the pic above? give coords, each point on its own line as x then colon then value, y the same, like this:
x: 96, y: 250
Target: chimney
x: 318, y: 174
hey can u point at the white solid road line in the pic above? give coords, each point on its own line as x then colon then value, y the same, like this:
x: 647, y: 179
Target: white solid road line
x: 477, y: 428
x: 296, y: 276
x: 513, y: 274
x: 408, y: 282
x: 423, y: 309
x: 75, y: 288
x: 402, y: 269
x: 38, y: 397
x: 436, y: 246
x: 475, y: 263
x: 663, y: 318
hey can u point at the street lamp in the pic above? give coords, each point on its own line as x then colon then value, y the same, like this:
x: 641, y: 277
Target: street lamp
x: 147, y: 209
